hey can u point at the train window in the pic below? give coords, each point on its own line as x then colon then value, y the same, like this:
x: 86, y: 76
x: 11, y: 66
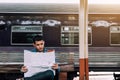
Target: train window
x: 89, y: 35
x: 66, y: 29
x: 114, y: 29
x: 115, y: 35
x: 22, y: 35
x: 70, y: 35
x: 71, y: 18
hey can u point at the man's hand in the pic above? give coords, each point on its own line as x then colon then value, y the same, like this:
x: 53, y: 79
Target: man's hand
x: 24, y: 69
x: 55, y: 66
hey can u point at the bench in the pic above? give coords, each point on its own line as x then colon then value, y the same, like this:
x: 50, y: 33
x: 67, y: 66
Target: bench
x: 97, y: 60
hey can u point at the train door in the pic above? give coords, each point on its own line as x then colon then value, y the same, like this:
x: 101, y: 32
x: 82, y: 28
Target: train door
x: 100, y: 36
x: 51, y: 35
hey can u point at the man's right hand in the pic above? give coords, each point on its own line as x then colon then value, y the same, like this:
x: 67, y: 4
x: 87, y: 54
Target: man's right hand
x: 24, y: 69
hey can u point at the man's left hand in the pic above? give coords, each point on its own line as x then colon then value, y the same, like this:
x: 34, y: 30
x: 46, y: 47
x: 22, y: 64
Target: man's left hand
x: 55, y: 66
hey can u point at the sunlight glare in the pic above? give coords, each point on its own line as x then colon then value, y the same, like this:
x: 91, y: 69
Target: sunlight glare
x: 39, y: 1
x: 62, y: 1
x: 104, y: 1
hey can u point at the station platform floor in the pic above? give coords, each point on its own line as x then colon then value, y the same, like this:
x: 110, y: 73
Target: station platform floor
x: 99, y: 76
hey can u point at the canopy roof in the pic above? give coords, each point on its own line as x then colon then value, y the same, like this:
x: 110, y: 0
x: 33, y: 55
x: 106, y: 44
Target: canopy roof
x: 57, y: 8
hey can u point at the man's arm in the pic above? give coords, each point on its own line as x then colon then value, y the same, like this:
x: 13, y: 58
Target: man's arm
x: 55, y: 66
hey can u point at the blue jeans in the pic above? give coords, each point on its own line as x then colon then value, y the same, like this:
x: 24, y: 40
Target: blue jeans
x: 46, y: 75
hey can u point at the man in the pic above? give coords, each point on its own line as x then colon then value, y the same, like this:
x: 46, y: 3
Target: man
x: 38, y: 43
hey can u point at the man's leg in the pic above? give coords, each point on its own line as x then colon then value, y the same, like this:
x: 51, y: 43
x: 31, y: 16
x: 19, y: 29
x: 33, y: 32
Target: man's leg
x: 56, y: 77
x: 47, y: 75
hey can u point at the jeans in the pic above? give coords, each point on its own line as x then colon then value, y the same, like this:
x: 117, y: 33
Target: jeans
x: 47, y: 75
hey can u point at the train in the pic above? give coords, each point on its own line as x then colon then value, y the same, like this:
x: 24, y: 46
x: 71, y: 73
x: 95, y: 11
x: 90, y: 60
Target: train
x: 58, y: 23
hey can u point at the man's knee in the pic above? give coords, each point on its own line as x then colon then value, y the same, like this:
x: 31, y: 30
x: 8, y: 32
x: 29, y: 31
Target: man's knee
x: 49, y: 74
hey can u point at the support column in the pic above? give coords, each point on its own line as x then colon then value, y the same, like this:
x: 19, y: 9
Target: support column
x: 83, y: 40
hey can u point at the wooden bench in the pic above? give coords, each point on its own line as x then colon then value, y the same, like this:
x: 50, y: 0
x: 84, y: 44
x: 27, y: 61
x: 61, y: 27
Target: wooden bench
x: 97, y: 60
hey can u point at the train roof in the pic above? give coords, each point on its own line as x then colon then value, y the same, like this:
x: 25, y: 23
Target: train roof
x: 49, y: 8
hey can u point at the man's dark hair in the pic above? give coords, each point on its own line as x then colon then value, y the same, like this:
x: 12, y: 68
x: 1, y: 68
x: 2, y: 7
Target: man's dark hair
x: 37, y: 38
